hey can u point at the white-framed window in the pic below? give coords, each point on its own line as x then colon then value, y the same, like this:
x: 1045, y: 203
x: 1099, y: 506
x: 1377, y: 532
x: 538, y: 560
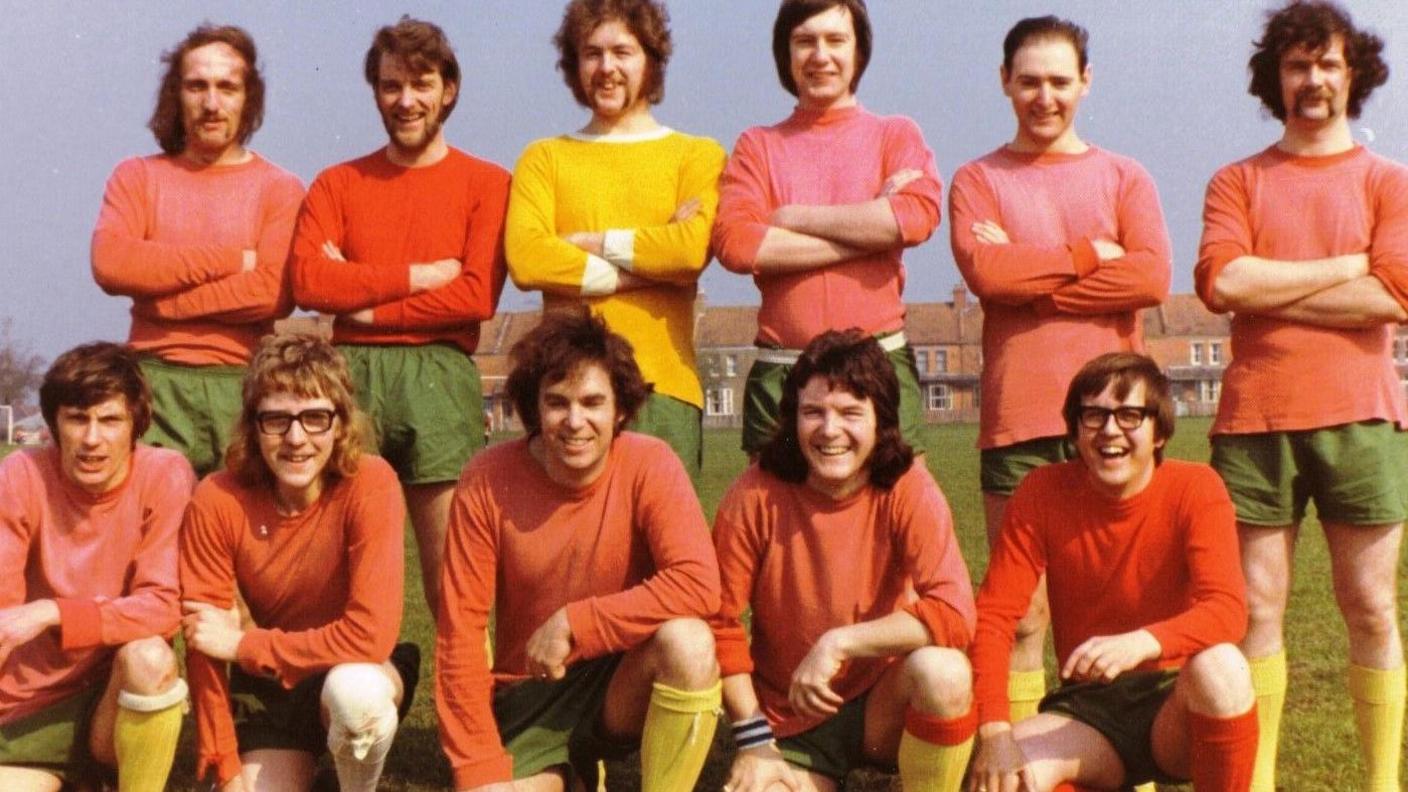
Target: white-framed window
x: 719, y: 401
x: 941, y: 360
x: 921, y: 361
x: 1214, y: 353
x: 1195, y: 353
x: 1209, y: 391
x: 730, y: 365
x: 940, y: 397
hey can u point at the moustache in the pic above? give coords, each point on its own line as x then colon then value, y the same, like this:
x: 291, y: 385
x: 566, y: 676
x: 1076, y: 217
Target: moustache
x: 1313, y: 95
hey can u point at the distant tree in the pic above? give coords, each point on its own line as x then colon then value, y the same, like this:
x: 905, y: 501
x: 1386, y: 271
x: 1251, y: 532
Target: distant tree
x: 21, y: 370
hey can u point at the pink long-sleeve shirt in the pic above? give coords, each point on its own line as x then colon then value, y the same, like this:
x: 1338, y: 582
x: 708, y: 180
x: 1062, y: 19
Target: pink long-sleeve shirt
x: 108, y: 560
x: 1049, y: 303
x: 825, y: 158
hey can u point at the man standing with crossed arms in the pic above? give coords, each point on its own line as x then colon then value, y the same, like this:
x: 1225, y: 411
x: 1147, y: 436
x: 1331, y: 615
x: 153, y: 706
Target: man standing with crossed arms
x: 1061, y: 276
x: 819, y: 208
x: 1307, y: 243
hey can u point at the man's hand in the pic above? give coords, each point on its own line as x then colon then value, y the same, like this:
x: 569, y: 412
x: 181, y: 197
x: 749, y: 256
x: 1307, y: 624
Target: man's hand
x: 760, y: 769
x: 1356, y: 265
x: 249, y: 259
x: 989, y: 233
x: 1104, y: 657
x: 593, y: 242
x: 214, y: 632
x: 549, y: 647
x: 333, y: 251
x: 363, y: 317
x: 998, y: 763
x: 21, y: 624
x: 433, y: 275
x: 686, y: 210
x: 810, y: 694
x: 235, y: 784
x: 898, y: 180
x: 1106, y: 249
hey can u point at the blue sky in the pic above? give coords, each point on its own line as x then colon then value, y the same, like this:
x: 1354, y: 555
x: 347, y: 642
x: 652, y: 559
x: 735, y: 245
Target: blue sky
x: 1169, y: 89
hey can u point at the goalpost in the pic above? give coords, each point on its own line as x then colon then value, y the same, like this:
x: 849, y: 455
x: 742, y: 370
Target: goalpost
x: 9, y: 423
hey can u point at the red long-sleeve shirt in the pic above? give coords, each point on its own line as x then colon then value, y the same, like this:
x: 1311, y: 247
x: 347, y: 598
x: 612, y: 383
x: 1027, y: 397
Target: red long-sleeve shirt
x: 323, y: 587
x: 806, y: 563
x: 109, y: 561
x: 172, y: 234
x: 624, y: 555
x: 1165, y: 560
x: 1285, y: 375
x: 1049, y: 303
x: 384, y: 218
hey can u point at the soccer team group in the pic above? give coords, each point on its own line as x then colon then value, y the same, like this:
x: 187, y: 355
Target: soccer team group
x: 618, y: 615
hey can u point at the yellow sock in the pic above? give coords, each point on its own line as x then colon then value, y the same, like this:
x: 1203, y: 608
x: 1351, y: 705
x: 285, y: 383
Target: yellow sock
x: 144, y: 737
x: 1149, y: 787
x: 1269, y: 682
x: 679, y: 728
x: 934, y: 751
x: 1024, y: 691
x: 1378, y: 712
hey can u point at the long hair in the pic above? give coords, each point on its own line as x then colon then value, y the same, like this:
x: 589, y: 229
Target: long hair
x: 565, y: 339
x: 167, y: 123
x: 308, y: 367
x: 854, y: 362
x: 1311, y: 24
x: 795, y: 12
x: 647, y: 20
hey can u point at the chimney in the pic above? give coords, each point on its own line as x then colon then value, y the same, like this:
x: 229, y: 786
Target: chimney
x: 960, y: 299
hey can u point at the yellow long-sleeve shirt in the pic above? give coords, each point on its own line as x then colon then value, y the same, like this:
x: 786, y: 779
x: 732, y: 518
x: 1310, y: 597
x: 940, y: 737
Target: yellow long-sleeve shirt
x: 628, y: 186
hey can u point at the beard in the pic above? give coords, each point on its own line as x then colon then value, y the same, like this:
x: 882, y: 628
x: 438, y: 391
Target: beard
x: 409, y: 142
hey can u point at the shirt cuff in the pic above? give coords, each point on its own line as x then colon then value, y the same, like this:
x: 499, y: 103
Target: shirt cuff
x: 599, y: 277
x: 618, y: 246
x: 80, y: 624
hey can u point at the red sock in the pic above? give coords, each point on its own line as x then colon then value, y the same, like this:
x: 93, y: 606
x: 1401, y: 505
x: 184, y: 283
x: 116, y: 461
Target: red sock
x: 1070, y: 786
x: 1223, y: 751
x: 936, y: 730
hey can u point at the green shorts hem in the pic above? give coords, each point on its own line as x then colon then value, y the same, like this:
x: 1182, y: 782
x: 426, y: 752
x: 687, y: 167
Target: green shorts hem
x: 55, y: 739
x: 678, y: 423
x: 1001, y: 469
x: 194, y: 409
x: 543, y: 723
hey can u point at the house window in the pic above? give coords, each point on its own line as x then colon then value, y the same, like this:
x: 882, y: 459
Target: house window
x: 940, y: 398
x: 941, y: 360
x: 1214, y: 353
x: 719, y: 401
x: 730, y: 365
x: 1398, y: 348
x: 921, y: 361
x: 1195, y: 353
x: 1209, y: 391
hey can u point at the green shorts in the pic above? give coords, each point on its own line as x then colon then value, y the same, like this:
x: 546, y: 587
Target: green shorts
x: 762, y: 399
x: 678, y: 423
x: 269, y: 716
x: 1356, y: 474
x: 1001, y: 469
x: 834, y: 747
x: 1123, y: 712
x: 194, y: 409
x: 545, y: 724
x: 55, y: 739
x: 425, y: 405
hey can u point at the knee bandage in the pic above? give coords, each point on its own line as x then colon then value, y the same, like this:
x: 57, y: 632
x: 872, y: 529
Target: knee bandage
x: 361, y: 706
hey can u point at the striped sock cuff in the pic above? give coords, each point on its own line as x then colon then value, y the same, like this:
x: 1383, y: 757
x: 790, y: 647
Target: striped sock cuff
x: 751, y: 732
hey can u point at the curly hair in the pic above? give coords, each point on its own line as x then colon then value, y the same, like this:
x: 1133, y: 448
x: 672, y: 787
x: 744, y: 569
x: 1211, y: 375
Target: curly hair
x: 1122, y: 370
x: 854, y: 362
x: 1043, y: 28
x: 1312, y: 24
x: 308, y: 367
x: 563, y: 341
x: 167, y: 122
x: 647, y: 20
x: 794, y: 12
x: 422, y: 45
x: 91, y: 374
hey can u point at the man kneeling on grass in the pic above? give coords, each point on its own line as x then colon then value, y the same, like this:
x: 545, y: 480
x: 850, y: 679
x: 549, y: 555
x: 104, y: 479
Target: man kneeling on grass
x: 307, y: 529
x: 88, y: 585
x: 1147, y: 604
x: 591, y: 548
x: 843, y: 545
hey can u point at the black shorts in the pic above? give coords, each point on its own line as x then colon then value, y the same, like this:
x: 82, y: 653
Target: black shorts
x: 1123, y: 712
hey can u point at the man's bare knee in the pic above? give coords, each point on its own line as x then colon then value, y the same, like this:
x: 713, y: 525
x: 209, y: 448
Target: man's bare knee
x: 145, y: 666
x: 1218, y: 682
x: 1369, y: 612
x: 683, y: 651
x: 940, y: 680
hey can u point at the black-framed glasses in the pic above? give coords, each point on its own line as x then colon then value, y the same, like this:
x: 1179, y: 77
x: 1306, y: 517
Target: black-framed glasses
x: 314, y: 421
x: 1125, y: 417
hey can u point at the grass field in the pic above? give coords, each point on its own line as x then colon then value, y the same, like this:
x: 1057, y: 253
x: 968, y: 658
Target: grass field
x: 1317, y: 747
